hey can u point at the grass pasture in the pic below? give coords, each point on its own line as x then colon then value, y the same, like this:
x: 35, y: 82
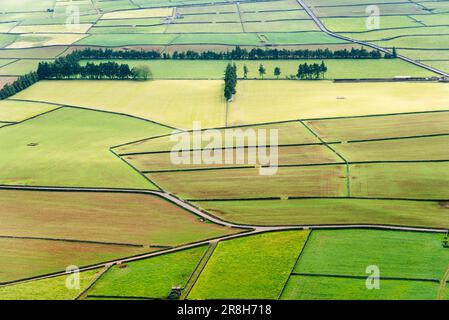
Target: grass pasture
x: 162, y: 101
x: 254, y: 267
x: 331, y: 211
x: 105, y: 217
x: 142, y: 13
x: 419, y: 180
x: 32, y: 40
x: 15, y: 111
x: 398, y: 254
x: 48, y: 289
x: 52, y: 28
x: 77, y: 143
x: 150, y: 278
x: 381, y: 127
x: 332, y: 288
x: 313, y: 181
x: 311, y: 99
x: 20, y: 67
x: 24, y: 258
x: 360, y: 24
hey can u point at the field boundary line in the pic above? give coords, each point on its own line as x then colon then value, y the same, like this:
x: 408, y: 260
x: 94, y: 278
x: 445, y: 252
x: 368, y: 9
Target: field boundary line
x: 120, y: 297
x: 295, y: 263
x: 196, y: 273
x: 443, y: 283
x: 73, y: 241
x: 82, y: 293
x: 312, y: 198
x: 344, y: 276
x: 348, y: 173
x: 431, y: 135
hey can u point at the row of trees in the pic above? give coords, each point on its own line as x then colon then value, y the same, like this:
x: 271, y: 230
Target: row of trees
x: 230, y: 81
x: 18, y: 85
x: 69, y: 67
x: 305, y: 71
x: 235, y: 54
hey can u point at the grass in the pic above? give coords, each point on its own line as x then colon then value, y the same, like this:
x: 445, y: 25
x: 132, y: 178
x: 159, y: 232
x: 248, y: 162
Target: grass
x: 7, y: 39
x: 14, y: 111
x: 32, y: 53
x: 45, y: 39
x: 151, y: 278
x: 316, y: 99
x: 105, y: 217
x: 398, y: 254
x: 269, y: 5
x: 281, y: 26
x: 331, y: 211
x: 47, y: 289
x: 316, y: 181
x: 361, y: 25
x: 433, y: 19
x: 77, y: 143
x: 141, y: 13
x: 162, y: 101
x: 253, y: 267
x: 275, y: 15
x: 338, y: 69
x: 317, y: 154
x: 330, y: 288
x: 399, y: 180
x: 360, y: 10
x: 52, y: 28
x: 417, y: 42
x: 314, y: 37
x: 431, y: 148
x: 401, y: 125
x: 211, y: 28
x: 385, y: 34
x: 231, y: 39
x: 126, y: 39
x: 20, y: 67
x: 26, y: 5
x: 23, y: 258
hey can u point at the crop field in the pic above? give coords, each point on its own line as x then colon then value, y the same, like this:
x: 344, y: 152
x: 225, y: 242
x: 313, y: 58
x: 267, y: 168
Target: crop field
x: 252, y: 267
x: 210, y: 149
x: 84, y: 216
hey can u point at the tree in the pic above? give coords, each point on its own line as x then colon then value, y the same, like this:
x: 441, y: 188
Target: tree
x: 230, y: 79
x: 277, y: 72
x: 262, y: 70
x: 323, y: 68
x: 141, y: 72
x: 245, y: 71
x: 394, y: 53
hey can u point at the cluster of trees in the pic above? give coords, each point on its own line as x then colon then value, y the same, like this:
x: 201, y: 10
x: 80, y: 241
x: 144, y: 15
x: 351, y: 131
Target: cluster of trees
x: 235, y: 54
x: 69, y: 67
x: 311, y: 71
x: 230, y: 81
x: 20, y: 84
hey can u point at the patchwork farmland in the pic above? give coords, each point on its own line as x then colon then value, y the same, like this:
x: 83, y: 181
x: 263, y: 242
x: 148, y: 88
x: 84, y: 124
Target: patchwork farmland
x: 343, y: 106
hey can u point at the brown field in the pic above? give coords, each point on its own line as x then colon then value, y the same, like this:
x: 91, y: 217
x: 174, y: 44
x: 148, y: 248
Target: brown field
x: 24, y: 258
x: 106, y: 217
x: 288, y: 133
x: 428, y: 148
x: 316, y: 154
x: 401, y: 180
x: 348, y: 129
x: 35, y: 53
x: 6, y: 80
x: 325, y: 181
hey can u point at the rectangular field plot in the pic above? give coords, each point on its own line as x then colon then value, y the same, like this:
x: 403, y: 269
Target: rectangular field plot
x: 312, y: 99
x: 20, y: 67
x: 289, y: 133
x: 360, y: 24
x: 77, y: 143
x: 32, y: 53
x: 302, y: 38
x: 275, y: 15
x: 429, y: 148
x: 269, y: 6
x: 128, y: 22
x: 398, y: 254
x: 15, y: 111
x: 208, y: 9
x: 105, y: 217
x: 331, y: 211
x: 45, y: 39
x: 128, y: 30
x: 433, y: 19
x: 301, y: 155
x: 205, y: 27
x: 360, y: 10
x: 126, y: 39
x: 213, y: 17
x: 162, y: 101
x: 314, y: 181
x: 333, y: 288
x: 386, y: 34
x: 254, y: 267
x: 7, y: 39
x: 231, y: 39
x: 421, y: 180
x: 141, y: 13
x: 48, y: 289
x: 150, y: 278
x: 281, y: 26
x: 382, y: 127
x: 52, y: 28
x: 417, y: 42
x: 24, y: 258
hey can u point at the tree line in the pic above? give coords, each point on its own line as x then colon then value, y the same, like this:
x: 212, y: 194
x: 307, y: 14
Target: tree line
x: 237, y: 53
x: 230, y: 80
x: 305, y: 71
x: 18, y: 85
x: 69, y: 67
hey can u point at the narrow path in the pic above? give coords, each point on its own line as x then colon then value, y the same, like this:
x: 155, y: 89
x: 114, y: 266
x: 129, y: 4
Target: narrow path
x: 440, y: 295
x: 323, y: 28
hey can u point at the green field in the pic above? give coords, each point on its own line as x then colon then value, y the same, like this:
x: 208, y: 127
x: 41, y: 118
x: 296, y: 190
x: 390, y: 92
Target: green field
x: 78, y: 141
x: 330, y: 288
x: 338, y: 69
x: 20, y: 67
x: 253, y: 267
x: 47, y: 289
x: 360, y: 24
x: 150, y: 278
x: 398, y: 254
x: 15, y: 111
x: 331, y: 211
